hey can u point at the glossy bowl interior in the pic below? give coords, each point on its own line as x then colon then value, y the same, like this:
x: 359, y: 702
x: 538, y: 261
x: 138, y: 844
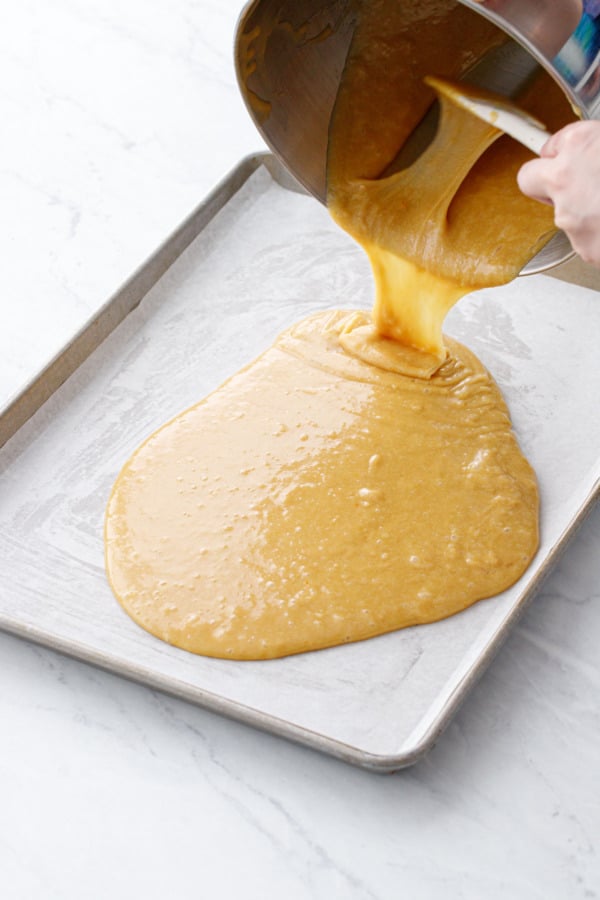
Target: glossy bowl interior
x: 290, y: 56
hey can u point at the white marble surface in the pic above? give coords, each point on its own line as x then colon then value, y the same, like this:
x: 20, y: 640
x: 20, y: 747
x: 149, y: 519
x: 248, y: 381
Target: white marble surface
x: 117, y: 119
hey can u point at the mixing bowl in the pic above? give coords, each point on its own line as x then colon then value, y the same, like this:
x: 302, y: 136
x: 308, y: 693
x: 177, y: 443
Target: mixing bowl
x: 290, y: 55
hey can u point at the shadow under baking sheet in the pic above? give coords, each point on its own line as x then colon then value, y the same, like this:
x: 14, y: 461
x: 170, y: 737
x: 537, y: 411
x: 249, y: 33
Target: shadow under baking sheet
x: 268, y: 257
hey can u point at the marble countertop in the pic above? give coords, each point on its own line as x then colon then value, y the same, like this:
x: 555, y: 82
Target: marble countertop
x: 118, y: 118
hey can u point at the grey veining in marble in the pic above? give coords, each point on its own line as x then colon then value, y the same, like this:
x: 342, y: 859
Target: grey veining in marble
x: 270, y: 257
x: 117, y: 119
x: 110, y: 790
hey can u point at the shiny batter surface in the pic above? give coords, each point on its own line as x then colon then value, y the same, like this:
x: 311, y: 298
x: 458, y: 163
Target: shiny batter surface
x: 362, y: 475
x: 316, y: 499
x: 454, y: 220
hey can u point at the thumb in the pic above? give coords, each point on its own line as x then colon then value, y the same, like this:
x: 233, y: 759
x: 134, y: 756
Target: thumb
x: 534, y: 180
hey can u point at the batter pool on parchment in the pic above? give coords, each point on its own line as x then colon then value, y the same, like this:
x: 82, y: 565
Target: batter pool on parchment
x: 362, y: 475
x: 316, y: 499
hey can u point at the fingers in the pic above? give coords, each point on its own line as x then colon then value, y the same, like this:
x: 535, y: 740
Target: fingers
x: 564, y: 157
x: 535, y: 180
x: 561, y: 140
x: 552, y: 146
x: 567, y: 175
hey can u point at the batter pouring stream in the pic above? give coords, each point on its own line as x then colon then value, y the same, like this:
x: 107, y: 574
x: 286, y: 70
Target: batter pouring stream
x: 361, y: 475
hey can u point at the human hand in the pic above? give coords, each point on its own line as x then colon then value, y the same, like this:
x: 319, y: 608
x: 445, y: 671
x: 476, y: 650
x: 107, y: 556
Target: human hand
x: 567, y: 176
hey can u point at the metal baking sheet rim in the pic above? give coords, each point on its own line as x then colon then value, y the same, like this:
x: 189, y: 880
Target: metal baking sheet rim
x: 27, y: 402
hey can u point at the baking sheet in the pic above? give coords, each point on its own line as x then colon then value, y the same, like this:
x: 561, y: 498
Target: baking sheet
x: 268, y: 258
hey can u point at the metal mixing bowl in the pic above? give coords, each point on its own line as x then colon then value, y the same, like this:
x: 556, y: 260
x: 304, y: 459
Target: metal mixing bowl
x: 290, y: 55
